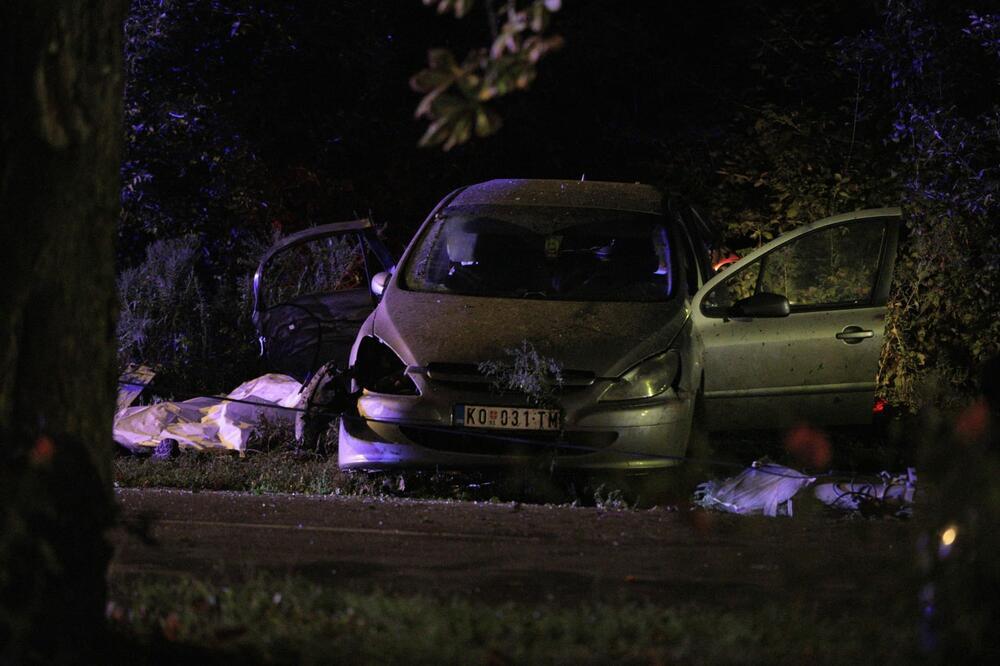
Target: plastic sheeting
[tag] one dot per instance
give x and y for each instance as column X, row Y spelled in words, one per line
column 763, row 488
column 208, row 422
column 890, row 494
column 767, row 488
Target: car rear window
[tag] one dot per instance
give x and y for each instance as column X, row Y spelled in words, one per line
column 573, row 254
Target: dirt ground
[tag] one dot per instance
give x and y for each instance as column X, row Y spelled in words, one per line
column 505, row 551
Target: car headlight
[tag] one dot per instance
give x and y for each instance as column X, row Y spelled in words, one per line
column 646, row 379
column 378, row 369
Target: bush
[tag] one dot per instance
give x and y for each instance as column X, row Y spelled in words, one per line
column 942, row 325
column 162, row 306
column 196, row 332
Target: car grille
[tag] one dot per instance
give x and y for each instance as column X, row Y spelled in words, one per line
column 510, row 443
column 467, row 376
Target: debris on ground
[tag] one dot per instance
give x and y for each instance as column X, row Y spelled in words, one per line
column 166, row 449
column 326, row 394
column 891, row 495
column 767, row 488
column 762, row 488
column 208, row 422
column 132, row 383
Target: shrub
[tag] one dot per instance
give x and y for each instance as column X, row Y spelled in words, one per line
column 942, row 325
column 163, row 306
column 196, row 332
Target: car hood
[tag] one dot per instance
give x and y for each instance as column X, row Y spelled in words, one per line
column 603, row 338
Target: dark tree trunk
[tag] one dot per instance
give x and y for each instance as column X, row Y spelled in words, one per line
column 60, row 139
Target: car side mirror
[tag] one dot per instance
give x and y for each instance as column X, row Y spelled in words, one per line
column 379, row 281
column 764, row 304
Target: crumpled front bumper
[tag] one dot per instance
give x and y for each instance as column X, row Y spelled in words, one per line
column 410, row 431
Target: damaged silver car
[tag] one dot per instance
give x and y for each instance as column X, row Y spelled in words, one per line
column 604, row 292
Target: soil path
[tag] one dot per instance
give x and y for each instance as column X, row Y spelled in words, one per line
column 517, row 552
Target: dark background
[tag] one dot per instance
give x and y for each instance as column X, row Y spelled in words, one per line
column 319, row 94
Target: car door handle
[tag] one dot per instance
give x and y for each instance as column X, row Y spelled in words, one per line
column 852, row 335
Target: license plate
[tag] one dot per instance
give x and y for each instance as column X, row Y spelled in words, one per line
column 507, row 418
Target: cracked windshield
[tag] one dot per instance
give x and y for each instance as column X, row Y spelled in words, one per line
column 570, row 254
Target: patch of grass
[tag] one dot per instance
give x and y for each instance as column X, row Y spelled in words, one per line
column 283, row 470
column 274, row 465
column 274, row 471
column 291, row 620
column 287, row 471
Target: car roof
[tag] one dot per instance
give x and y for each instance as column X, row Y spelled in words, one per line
column 634, row 197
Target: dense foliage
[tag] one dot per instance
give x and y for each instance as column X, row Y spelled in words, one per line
column 793, row 142
column 194, row 330
column 938, row 66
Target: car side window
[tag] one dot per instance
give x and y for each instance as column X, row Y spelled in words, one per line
column 328, row 264
column 740, row 284
column 835, row 266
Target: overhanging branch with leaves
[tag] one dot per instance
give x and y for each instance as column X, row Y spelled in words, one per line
column 457, row 96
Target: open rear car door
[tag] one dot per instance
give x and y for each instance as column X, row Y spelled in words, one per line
column 312, row 293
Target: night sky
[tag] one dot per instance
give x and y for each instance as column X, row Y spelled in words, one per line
column 320, row 94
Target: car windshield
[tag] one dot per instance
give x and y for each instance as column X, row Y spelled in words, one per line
column 570, row 254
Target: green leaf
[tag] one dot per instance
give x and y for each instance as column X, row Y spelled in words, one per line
column 487, row 122
column 459, row 7
column 427, row 80
column 460, row 133
column 441, row 59
column 447, row 104
column 435, row 134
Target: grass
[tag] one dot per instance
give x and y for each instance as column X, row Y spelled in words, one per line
column 266, row 471
column 265, row 619
column 275, row 466
column 285, row 471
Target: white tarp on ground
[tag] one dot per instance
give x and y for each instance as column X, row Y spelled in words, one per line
column 768, row 489
column 209, row 422
column 893, row 493
column 763, row 488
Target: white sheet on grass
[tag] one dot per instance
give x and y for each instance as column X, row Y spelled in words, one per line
column 763, row 488
column 768, row 488
column 209, row 422
column 891, row 494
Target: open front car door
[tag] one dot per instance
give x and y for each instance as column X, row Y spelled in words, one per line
column 793, row 331
column 312, row 293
